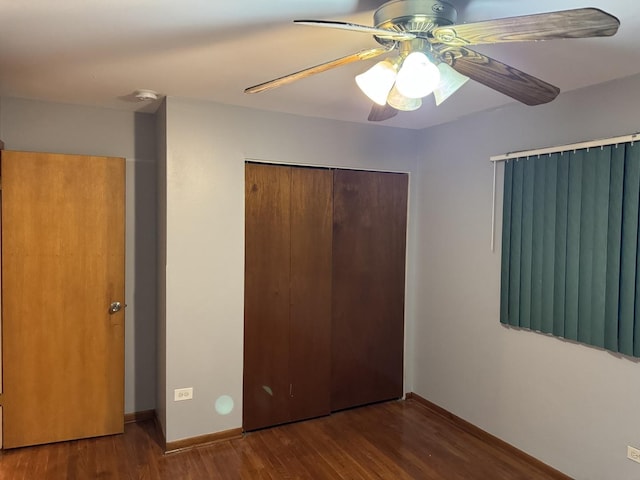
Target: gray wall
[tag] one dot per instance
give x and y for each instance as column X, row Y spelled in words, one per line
column 572, row 406
column 207, row 145
column 48, row 127
column 161, row 280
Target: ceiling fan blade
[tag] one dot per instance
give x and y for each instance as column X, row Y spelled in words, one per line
column 498, row 76
column 378, row 32
column 323, row 67
column 578, row 23
column 380, row 113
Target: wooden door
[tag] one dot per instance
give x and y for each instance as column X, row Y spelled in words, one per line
column 310, row 312
column 62, row 267
column 369, row 238
column 288, row 221
column 266, row 296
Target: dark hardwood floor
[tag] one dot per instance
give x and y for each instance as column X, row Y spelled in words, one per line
column 394, row 440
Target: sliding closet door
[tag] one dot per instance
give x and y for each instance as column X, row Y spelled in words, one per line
column 369, row 238
column 266, row 305
column 310, row 327
column 287, row 356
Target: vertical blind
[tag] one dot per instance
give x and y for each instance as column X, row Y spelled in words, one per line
column 570, row 257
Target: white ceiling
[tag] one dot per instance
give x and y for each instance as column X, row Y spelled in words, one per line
column 95, row 52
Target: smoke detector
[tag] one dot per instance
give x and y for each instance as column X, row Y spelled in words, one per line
column 145, row 95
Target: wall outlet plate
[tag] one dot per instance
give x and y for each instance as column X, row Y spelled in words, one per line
column 180, row 394
column 633, row 454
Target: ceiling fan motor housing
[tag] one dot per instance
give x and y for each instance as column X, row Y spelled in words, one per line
column 415, row 16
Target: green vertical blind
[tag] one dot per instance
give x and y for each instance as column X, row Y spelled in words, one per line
column 570, row 256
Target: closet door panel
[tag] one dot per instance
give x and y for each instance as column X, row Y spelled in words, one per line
column 266, row 324
column 369, row 241
column 310, row 327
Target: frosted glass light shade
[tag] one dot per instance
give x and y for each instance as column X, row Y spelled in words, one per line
column 418, row 77
column 450, row 81
column 376, row 82
column 400, row 102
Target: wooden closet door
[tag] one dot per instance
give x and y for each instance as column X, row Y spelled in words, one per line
column 369, row 238
column 266, row 387
column 62, row 267
column 287, row 356
column 310, row 318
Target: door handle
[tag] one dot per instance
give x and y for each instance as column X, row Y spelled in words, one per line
column 115, row 307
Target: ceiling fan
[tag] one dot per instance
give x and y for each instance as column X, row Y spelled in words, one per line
column 429, row 53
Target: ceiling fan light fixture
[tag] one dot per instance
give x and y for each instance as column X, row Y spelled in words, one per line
column 376, row 83
column 402, row 103
column 418, row 76
column 425, row 32
column 450, row 82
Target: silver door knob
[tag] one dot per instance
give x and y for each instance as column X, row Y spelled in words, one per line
column 115, row 307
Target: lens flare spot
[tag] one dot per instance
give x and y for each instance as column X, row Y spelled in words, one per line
column 224, row 405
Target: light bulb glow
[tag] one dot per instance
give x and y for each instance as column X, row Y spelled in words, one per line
column 418, row 77
column 376, row 82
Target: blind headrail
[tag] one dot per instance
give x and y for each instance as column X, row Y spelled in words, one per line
column 566, row 148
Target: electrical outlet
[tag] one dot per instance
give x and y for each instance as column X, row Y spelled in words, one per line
column 633, row 454
column 187, row 394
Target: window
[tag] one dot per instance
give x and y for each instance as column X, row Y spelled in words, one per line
column 570, row 264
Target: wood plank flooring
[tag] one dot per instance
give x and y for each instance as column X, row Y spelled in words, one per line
column 394, row 440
